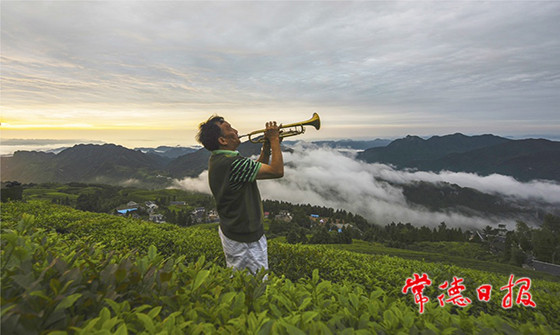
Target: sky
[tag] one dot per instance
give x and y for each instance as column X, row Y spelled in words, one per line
column 147, row 73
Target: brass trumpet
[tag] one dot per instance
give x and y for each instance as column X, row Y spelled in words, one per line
column 299, row 129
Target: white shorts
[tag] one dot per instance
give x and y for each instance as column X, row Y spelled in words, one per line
column 245, row 255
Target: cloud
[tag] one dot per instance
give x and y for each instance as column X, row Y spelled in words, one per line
column 326, row 177
column 10, row 145
column 539, row 190
column 198, row 184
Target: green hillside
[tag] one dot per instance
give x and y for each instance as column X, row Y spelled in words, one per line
column 66, row 271
column 524, row 160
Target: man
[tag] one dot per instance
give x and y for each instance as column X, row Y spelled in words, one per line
column 232, row 179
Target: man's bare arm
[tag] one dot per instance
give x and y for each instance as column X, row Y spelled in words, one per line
column 276, row 167
column 265, row 153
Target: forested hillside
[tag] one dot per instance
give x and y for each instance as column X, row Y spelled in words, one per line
column 486, row 154
column 106, row 163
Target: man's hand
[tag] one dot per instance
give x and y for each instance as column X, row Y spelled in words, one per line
column 272, row 131
column 272, row 143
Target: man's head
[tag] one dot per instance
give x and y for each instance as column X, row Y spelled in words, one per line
column 216, row 133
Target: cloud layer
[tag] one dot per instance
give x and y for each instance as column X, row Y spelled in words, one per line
column 326, row 177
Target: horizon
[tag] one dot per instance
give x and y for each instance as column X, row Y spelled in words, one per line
column 147, row 73
column 45, row 145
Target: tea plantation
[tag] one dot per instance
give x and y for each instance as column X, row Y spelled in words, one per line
column 66, row 271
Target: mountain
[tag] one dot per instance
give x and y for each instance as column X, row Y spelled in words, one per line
column 523, row 159
column 108, row 163
column 485, row 154
column 29, row 166
column 408, row 151
column 83, row 163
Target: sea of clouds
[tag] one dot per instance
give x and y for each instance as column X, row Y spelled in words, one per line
column 327, row 177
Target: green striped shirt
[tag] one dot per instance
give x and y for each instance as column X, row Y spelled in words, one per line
column 232, row 180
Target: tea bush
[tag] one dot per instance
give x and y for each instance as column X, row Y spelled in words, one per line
column 70, row 272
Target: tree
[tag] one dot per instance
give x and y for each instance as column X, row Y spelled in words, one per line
column 301, row 218
column 320, row 236
column 276, row 227
column 523, row 236
column 552, row 222
column 87, row 202
column 296, row 235
column 544, row 245
column 517, row 257
column 11, row 190
column 345, row 236
column 292, row 236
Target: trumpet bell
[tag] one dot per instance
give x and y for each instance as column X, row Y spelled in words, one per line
column 315, row 121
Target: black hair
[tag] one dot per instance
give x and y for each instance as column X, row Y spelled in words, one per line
column 209, row 132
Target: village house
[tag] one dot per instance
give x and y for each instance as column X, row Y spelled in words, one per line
column 213, row 216
column 157, row 218
column 284, row 216
column 125, row 210
column 318, row 220
column 151, row 206
column 131, row 209
column 198, row 214
column 340, row 226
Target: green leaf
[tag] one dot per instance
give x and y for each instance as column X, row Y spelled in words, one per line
column 146, row 321
column 122, row 330
column 40, row 294
column 200, row 277
column 293, row 330
column 142, row 308
column 68, row 301
column 6, row 309
column 308, row 316
column 315, row 277
column 104, row 315
column 109, row 324
column 154, row 312
column 152, row 252
column 305, row 303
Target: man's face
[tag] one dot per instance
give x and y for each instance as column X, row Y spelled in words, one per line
column 229, row 139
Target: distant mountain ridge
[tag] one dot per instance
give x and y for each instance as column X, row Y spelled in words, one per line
column 405, row 152
column 484, row 154
column 83, row 163
column 109, row 163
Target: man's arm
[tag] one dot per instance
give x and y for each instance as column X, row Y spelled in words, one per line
column 265, row 153
column 276, row 167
